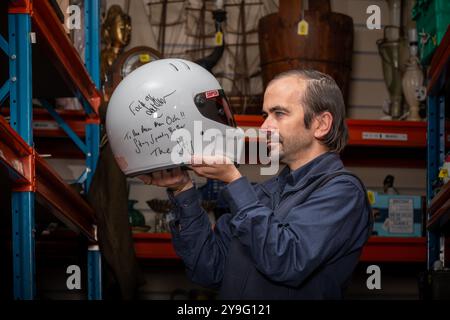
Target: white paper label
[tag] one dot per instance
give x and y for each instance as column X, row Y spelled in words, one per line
column 385, row 136
column 45, row 125
column 401, row 216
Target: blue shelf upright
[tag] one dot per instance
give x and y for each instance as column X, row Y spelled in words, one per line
column 92, row 61
column 435, row 154
column 20, row 93
column 19, row 88
column 438, row 78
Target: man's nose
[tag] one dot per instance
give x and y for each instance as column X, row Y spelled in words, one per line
column 268, row 124
column 268, row 128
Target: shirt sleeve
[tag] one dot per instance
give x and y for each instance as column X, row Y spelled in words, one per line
column 330, row 224
column 202, row 247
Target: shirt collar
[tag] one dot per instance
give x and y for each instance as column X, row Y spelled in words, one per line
column 292, row 177
column 288, row 180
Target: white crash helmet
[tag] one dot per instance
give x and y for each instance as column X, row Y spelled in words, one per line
column 155, row 106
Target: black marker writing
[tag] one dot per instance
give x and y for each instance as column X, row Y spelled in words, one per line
column 151, row 104
column 139, row 144
column 162, row 135
column 144, row 129
column 135, row 134
column 178, row 126
column 158, row 151
column 172, row 119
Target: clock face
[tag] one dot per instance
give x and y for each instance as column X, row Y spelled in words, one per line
column 126, row 63
column 135, row 60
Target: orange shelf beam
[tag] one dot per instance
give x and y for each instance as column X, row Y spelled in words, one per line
column 387, row 133
column 16, row 157
column 390, row 249
column 369, row 132
column 377, row 249
column 154, row 246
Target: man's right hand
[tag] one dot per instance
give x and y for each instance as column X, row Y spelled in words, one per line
column 175, row 179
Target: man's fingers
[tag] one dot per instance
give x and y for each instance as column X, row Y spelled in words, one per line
column 166, row 175
column 197, row 161
column 176, row 172
column 156, row 178
column 145, row 178
column 204, row 171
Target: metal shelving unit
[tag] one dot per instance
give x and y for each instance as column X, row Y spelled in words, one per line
column 39, row 51
column 438, row 204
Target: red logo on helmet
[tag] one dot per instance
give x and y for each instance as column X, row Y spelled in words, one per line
column 211, row 94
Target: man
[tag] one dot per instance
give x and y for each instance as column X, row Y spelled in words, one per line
column 296, row 236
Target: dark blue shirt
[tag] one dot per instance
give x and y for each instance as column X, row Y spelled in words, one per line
column 296, row 236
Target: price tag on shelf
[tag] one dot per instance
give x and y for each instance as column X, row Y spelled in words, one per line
column 385, row 136
column 218, row 40
column 45, row 125
column 303, row 28
column 371, row 197
column 443, row 173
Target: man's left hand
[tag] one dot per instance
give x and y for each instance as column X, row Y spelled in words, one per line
column 215, row 167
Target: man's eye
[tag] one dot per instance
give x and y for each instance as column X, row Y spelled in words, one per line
column 279, row 113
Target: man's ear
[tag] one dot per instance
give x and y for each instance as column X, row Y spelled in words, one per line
column 322, row 124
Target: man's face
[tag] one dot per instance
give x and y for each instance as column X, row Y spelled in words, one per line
column 284, row 116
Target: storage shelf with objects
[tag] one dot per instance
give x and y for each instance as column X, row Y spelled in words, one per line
column 438, row 190
column 44, row 64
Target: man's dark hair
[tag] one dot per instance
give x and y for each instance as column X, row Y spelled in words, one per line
column 322, row 94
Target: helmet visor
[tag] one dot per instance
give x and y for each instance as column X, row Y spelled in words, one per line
column 214, row 105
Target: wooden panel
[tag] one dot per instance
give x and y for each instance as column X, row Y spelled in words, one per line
column 365, row 40
column 367, row 93
column 357, row 9
column 366, row 66
column 361, row 112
